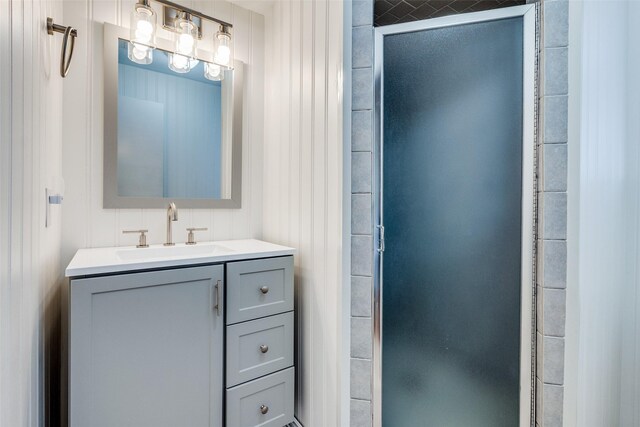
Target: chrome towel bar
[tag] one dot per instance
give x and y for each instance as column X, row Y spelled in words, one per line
column 69, row 32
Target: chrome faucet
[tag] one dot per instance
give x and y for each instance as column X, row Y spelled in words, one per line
column 172, row 215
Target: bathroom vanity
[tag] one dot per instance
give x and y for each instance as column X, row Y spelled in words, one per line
column 189, row 335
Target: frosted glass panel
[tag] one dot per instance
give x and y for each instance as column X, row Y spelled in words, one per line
column 452, row 194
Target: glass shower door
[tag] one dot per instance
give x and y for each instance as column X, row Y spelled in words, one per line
column 452, row 194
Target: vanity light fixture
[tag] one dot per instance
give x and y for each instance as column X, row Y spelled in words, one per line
column 223, row 57
column 143, row 33
column 187, row 24
column 223, row 47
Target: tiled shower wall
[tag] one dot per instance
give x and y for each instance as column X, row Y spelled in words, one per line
column 361, row 213
column 552, row 216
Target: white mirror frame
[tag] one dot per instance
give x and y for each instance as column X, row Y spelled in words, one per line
column 111, row 199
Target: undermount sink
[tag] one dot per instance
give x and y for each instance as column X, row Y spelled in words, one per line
column 159, row 252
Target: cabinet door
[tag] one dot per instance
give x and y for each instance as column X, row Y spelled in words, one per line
column 146, row 349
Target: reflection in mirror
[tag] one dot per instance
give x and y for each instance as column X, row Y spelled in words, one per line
column 170, row 137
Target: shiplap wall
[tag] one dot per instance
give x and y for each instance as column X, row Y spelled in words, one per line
column 603, row 307
column 303, row 188
column 30, row 160
column 85, row 223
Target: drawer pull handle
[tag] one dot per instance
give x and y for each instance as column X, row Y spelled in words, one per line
column 264, row 348
column 264, row 409
column 264, row 289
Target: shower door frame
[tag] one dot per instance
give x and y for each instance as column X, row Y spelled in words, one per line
column 529, row 183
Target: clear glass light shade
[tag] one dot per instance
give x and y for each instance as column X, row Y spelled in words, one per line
column 143, row 26
column 180, row 63
column 186, row 37
column 142, row 34
column 223, row 48
column 213, row 72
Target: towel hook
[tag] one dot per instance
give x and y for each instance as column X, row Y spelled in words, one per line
column 69, row 32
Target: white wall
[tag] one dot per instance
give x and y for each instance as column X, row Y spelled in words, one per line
column 630, row 402
column 85, row 222
column 30, row 160
column 603, row 306
column 303, row 188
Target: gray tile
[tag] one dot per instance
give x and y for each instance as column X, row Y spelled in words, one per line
column 555, row 119
column 539, row 309
column 361, row 337
column 555, row 167
column 552, row 401
column 553, row 360
column 538, row 400
column 556, row 23
column 540, row 260
column 361, row 12
column 554, row 258
column 361, row 172
column 362, row 47
column 361, row 291
column 554, row 216
column 362, row 87
column 361, row 130
column 361, row 255
column 361, row 379
column 556, row 65
column 553, row 312
column 539, row 355
column 361, row 415
column 361, row 214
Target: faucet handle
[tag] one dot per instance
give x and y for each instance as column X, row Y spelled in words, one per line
column 191, row 240
column 142, row 241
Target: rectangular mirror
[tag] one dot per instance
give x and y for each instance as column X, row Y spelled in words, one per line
column 169, row 136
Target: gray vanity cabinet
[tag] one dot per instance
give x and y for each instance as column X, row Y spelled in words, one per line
column 146, row 349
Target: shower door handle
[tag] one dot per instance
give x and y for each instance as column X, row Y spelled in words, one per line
column 380, row 228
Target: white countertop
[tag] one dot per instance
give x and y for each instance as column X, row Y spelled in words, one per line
column 129, row 258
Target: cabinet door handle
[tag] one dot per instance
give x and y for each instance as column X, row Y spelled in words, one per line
column 217, row 306
column 264, row 348
column 264, row 289
column 264, row 409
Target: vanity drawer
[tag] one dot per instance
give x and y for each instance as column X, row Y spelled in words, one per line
column 259, row 288
column 265, row 402
column 259, row 347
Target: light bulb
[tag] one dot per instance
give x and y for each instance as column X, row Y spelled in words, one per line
column 213, row 72
column 185, row 38
column 180, row 63
column 185, row 44
column 223, row 55
column 144, row 27
column 140, row 53
column 144, row 32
